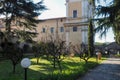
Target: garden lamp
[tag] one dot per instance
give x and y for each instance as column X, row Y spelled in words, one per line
column 25, row 63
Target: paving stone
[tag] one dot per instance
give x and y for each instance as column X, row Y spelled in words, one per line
column 108, row 70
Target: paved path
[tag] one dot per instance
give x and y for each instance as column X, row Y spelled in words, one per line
column 108, row 70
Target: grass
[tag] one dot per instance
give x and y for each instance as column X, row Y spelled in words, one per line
column 72, row 68
column 117, row 55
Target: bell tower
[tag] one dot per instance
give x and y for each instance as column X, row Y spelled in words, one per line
column 78, row 13
column 78, row 8
column 73, row 8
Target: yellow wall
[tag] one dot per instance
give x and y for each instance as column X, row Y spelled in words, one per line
column 56, row 23
column 75, row 37
column 75, row 6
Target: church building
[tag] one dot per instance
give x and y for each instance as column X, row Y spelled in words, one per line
column 73, row 28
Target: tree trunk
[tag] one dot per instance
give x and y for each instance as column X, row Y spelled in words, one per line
column 86, row 61
column 14, row 68
column 54, row 62
column 37, row 60
column 59, row 66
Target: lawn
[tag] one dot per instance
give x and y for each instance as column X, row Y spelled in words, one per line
column 72, row 68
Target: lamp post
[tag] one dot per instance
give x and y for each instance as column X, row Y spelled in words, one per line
column 25, row 63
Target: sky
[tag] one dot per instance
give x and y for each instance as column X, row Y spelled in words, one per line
column 56, row 8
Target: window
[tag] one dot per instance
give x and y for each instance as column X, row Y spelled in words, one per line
column 61, row 29
column 61, row 20
column 74, row 13
column 74, row 29
column 52, row 30
column 43, row 30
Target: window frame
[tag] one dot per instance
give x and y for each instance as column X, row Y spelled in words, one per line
column 61, row 29
column 52, row 29
column 75, row 14
column 43, row 30
column 75, row 28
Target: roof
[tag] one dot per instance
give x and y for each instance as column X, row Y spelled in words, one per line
column 55, row 18
column 113, row 45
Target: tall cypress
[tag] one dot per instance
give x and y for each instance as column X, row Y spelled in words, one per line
column 91, row 38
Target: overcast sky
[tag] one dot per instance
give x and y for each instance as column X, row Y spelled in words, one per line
column 56, row 8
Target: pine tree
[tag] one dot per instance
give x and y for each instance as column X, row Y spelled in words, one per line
column 22, row 14
column 110, row 19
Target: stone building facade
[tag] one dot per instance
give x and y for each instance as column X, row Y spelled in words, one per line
column 73, row 28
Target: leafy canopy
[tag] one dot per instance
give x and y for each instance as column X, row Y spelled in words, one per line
column 21, row 13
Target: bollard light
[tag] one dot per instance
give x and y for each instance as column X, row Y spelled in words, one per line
column 25, row 63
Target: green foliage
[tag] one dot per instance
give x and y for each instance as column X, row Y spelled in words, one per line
column 117, row 55
column 53, row 49
column 72, row 69
column 22, row 14
column 13, row 53
column 117, row 36
column 109, row 17
column 98, row 43
column 39, row 49
column 91, row 38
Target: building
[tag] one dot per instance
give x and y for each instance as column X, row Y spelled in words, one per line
column 51, row 28
column 73, row 28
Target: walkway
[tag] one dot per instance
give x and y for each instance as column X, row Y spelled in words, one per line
column 108, row 70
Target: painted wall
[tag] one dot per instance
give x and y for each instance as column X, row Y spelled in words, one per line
column 68, row 35
column 55, row 23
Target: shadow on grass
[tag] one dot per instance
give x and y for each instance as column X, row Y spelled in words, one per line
column 6, row 72
column 71, row 70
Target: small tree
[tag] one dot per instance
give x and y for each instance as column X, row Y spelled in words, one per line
column 12, row 52
column 35, row 51
column 82, row 51
column 56, row 49
column 39, row 49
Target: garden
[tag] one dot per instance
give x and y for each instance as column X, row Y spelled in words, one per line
column 50, row 60
column 72, row 68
